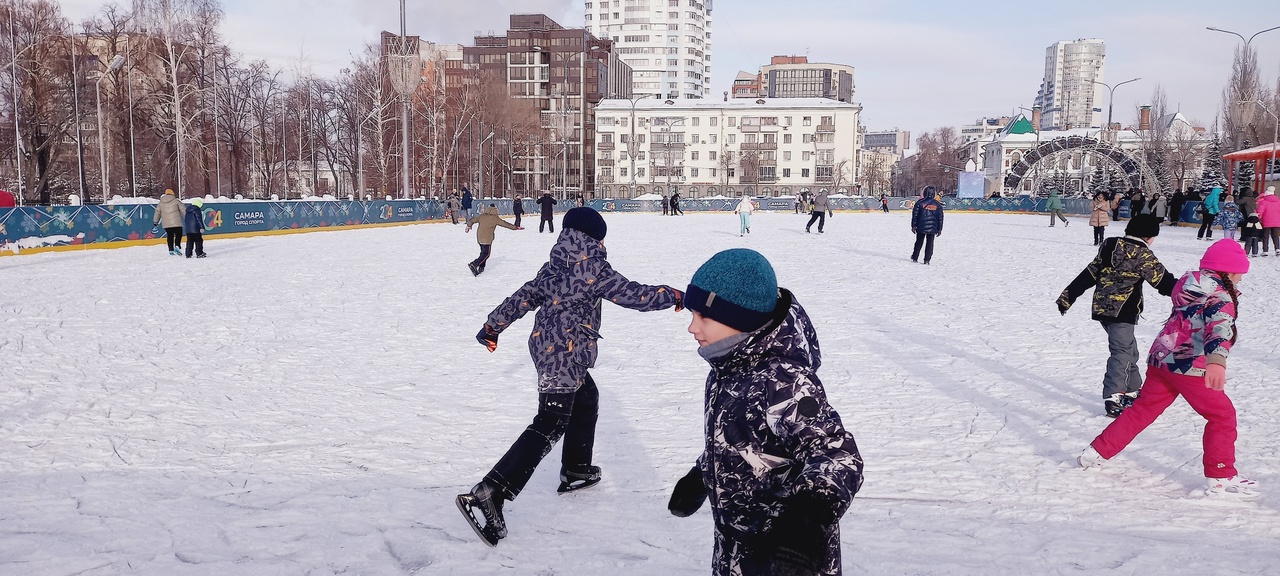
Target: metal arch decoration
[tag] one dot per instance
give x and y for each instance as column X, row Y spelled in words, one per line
column 1134, row 169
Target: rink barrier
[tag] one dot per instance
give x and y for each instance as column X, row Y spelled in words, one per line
column 1073, row 206
column 39, row 229
column 33, row 229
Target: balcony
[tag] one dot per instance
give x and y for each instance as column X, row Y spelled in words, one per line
column 826, row 128
column 759, row 146
column 605, row 145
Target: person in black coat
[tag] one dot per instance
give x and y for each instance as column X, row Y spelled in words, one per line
column 548, row 206
column 466, row 202
column 1175, row 207
column 675, row 204
column 517, row 208
column 926, row 223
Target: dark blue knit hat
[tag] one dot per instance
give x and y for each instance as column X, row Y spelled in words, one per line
column 587, row 221
column 736, row 287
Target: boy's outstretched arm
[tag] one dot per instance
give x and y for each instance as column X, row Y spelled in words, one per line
column 614, row 287
column 1088, row 278
column 527, row 298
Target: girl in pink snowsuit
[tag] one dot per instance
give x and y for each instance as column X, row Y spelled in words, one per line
column 1189, row 358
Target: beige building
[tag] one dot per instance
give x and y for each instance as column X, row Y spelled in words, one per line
column 762, row 147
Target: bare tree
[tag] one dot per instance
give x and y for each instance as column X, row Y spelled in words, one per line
column 37, row 36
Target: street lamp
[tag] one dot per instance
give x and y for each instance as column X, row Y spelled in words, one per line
column 1111, row 95
column 1245, row 73
column 112, row 66
column 632, row 146
column 480, row 184
column 1274, row 145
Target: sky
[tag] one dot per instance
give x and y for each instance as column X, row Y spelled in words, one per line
column 919, row 65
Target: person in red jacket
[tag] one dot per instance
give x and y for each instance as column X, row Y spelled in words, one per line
column 6, row 200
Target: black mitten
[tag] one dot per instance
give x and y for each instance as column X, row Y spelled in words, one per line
column 688, row 495
column 799, row 535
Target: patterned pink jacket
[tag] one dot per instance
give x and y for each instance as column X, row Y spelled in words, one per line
column 1201, row 329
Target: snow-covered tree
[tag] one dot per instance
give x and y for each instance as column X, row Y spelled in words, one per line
column 1212, row 174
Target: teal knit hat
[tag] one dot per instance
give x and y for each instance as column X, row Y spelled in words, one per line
column 736, row 287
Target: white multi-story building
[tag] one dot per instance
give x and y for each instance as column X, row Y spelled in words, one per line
column 667, row 43
column 762, row 147
column 1068, row 95
column 982, row 128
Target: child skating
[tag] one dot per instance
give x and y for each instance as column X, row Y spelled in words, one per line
column 744, row 209
column 567, row 294
column 1189, row 359
column 486, row 224
column 778, row 465
column 1117, row 274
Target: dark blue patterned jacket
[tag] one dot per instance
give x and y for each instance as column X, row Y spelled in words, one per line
column 770, row 432
column 567, row 292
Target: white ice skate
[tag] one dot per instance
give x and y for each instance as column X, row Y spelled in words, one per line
column 1090, row 458
column 1234, row 488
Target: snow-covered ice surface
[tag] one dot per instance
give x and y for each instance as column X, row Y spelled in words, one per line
column 310, row 404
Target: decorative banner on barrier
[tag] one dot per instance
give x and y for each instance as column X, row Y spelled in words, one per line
column 37, row 227
column 971, row 185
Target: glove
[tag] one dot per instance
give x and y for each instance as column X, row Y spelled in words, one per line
column 913, row 230
column 688, row 495
column 1063, row 304
column 1215, row 377
column 679, row 298
column 938, row 234
column 799, row 538
column 155, row 229
column 488, row 337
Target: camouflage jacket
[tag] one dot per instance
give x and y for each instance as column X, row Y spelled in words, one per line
column 567, row 293
column 1117, row 273
column 769, row 431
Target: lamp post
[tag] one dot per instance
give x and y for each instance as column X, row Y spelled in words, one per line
column 360, row 152
column 1111, row 95
column 632, row 146
column 112, row 66
column 480, row 182
column 1274, row 145
column 1035, row 181
column 1245, row 73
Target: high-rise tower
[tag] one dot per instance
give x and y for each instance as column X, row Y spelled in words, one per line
column 667, row 43
column 1068, row 95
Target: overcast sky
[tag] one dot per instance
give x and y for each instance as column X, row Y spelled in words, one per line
column 918, row 65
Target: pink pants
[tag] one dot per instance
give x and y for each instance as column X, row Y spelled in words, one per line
column 1161, row 388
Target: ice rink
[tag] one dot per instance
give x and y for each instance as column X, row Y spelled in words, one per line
column 310, row 404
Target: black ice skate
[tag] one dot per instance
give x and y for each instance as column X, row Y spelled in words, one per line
column 578, row 477
column 475, row 270
column 1115, row 404
column 488, row 499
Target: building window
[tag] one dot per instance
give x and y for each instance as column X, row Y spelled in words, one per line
column 713, row 120
column 729, row 172
column 804, row 172
column 713, row 138
column 693, row 155
column 786, row 173
column 786, row 155
column 786, row 120
column 695, row 120
column 733, row 120
column 693, row 172
column 731, row 139
column 711, row 155
column 786, row 138
column 807, row 121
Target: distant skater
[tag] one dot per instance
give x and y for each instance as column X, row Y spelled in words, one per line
column 486, row 224
column 926, row 223
column 548, row 205
column 744, row 209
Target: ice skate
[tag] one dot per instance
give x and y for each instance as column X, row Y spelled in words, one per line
column 1115, row 404
column 1128, row 398
column 1234, row 488
column 475, row 270
column 1090, row 458
column 578, row 477
column 488, row 499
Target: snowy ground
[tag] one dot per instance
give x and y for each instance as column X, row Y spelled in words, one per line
column 310, row 404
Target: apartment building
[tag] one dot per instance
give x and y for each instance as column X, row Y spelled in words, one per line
column 1069, row 96
column 566, row 72
column 667, row 43
column 762, row 147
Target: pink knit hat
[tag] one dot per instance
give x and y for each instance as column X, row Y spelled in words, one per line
column 1227, row 256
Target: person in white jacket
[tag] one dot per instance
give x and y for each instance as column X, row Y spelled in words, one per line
column 744, row 209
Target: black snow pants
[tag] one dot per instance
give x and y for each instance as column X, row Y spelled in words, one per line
column 173, row 236
column 571, row 415
column 548, row 222
column 927, row 241
column 818, row 216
